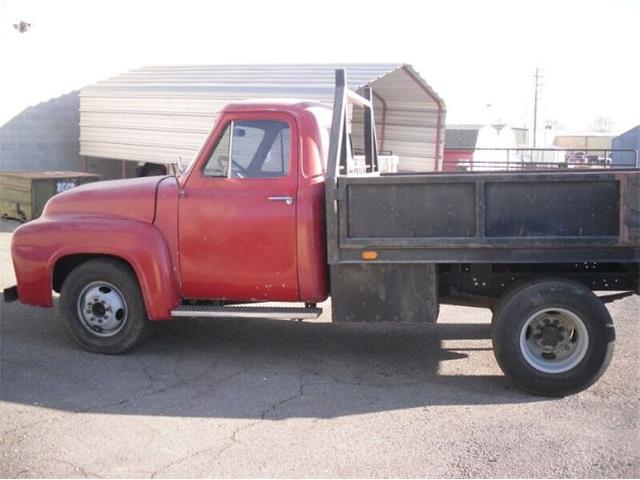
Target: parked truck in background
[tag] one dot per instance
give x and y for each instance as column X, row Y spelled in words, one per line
column 269, row 212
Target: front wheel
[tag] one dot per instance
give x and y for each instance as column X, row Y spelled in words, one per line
column 552, row 337
column 102, row 307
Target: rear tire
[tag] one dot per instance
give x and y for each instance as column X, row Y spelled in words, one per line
column 102, row 307
column 552, row 337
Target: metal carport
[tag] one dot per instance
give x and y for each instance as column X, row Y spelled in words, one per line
column 157, row 114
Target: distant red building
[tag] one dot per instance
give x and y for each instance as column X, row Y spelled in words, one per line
column 459, row 144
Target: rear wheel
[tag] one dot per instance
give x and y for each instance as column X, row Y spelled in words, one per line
column 102, row 307
column 552, row 337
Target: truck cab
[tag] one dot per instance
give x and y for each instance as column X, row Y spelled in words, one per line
column 253, row 200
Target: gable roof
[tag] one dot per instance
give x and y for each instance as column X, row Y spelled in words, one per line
column 305, row 81
column 460, row 138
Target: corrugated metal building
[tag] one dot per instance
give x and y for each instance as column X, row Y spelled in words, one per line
column 629, row 140
column 587, row 141
column 157, row 114
column 459, row 143
column 44, row 136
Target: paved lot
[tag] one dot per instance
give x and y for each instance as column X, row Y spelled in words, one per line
column 273, row 398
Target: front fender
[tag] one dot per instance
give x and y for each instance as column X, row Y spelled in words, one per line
column 38, row 245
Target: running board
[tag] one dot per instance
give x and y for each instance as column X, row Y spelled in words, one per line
column 246, row 312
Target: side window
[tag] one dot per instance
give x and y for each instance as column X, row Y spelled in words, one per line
column 218, row 163
column 260, row 149
column 276, row 164
column 247, row 138
column 251, row 149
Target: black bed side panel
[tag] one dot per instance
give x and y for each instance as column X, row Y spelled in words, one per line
column 552, row 209
column 412, row 210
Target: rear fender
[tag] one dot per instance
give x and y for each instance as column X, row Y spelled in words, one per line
column 37, row 246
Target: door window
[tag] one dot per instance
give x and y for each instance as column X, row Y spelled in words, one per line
column 256, row 149
column 218, row 163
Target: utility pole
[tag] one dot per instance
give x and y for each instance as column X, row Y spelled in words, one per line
column 535, row 107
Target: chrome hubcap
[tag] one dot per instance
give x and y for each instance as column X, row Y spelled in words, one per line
column 102, row 309
column 554, row 340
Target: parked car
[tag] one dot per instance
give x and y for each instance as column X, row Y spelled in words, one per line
column 576, row 159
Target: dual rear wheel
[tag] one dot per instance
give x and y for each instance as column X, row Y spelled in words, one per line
column 552, row 337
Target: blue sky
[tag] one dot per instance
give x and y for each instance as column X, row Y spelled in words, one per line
column 472, row 53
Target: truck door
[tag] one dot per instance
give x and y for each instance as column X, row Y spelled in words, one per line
column 237, row 212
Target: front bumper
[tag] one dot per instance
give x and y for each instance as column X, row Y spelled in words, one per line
column 10, row 294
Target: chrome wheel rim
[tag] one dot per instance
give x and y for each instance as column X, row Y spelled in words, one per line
column 102, row 309
column 554, row 340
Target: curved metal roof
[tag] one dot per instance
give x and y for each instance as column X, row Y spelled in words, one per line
column 155, row 114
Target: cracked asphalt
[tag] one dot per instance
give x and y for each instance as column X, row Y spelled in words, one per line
column 259, row 398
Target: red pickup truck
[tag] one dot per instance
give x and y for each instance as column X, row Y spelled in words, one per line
column 269, row 212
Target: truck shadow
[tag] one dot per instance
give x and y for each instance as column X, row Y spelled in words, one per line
column 256, row 369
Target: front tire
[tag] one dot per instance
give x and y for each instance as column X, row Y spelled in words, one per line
column 552, row 337
column 102, row 307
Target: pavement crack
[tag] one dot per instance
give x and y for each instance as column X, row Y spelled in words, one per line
column 233, row 438
column 166, row 388
column 232, row 441
column 276, row 405
column 148, row 374
column 86, row 473
column 135, row 396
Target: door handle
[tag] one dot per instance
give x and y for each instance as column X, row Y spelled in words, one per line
column 285, row 199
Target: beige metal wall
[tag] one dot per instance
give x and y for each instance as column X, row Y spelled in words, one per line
column 157, row 114
column 586, row 142
column 412, row 124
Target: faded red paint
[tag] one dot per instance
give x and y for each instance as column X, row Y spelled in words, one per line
column 38, row 245
column 239, row 245
column 199, row 237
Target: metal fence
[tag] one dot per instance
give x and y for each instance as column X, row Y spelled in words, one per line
column 523, row 159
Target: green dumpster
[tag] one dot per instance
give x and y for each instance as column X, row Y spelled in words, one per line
column 23, row 195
